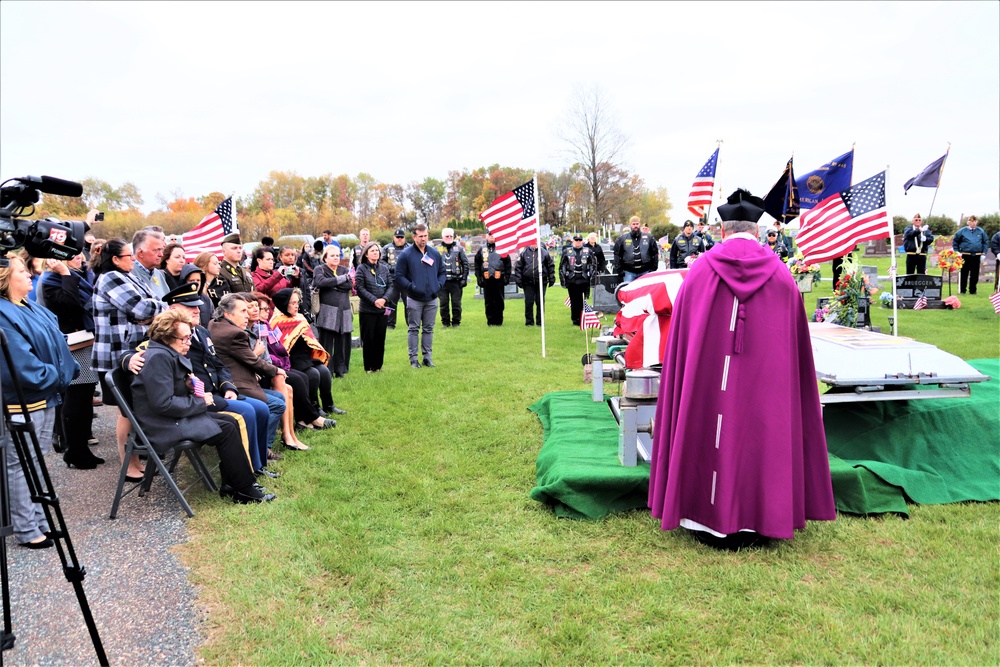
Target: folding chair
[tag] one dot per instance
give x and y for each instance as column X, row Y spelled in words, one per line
column 120, row 385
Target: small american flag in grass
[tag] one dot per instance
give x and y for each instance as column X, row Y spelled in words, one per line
column 920, row 304
column 589, row 319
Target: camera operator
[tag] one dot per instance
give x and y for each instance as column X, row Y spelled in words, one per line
column 45, row 368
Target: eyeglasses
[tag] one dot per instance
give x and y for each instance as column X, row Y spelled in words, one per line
column 183, row 339
column 124, row 256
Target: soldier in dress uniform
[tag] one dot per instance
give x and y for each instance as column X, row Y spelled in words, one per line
column 576, row 269
column 390, row 252
column 239, row 278
column 492, row 274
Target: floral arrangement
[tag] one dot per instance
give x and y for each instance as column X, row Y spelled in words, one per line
column 798, row 266
column 953, row 302
column 949, row 260
column 852, row 287
column 885, row 298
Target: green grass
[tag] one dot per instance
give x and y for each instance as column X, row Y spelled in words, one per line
column 406, row 536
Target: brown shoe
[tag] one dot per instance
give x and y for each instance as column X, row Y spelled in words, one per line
column 274, row 456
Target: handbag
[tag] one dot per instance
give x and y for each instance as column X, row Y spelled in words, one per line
column 314, row 302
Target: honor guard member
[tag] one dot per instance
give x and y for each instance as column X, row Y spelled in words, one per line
column 917, row 239
column 531, row 283
column 390, row 253
column 972, row 242
column 456, row 271
column 239, row 279
column 356, row 257
column 576, row 269
column 685, row 246
column 492, row 274
column 636, row 253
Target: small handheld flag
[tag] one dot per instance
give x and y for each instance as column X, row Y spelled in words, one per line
column 589, row 320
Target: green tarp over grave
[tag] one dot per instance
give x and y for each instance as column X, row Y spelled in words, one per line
column 882, row 454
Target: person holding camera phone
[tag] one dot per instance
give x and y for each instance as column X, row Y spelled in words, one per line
column 266, row 278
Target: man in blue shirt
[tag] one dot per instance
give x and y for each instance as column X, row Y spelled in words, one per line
column 420, row 271
column 971, row 241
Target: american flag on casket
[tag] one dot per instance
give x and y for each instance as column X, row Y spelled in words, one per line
column 647, row 303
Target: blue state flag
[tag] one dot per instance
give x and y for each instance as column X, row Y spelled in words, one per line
column 828, row 180
column 930, row 177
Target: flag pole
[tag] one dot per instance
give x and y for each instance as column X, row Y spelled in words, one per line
column 708, row 209
column 538, row 251
column 893, row 268
column 940, row 176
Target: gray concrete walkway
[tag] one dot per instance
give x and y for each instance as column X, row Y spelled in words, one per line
column 139, row 593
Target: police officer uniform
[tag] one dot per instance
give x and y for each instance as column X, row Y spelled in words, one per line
column 684, row 247
column 576, row 269
column 456, row 271
column 238, row 278
column 492, row 275
column 390, row 253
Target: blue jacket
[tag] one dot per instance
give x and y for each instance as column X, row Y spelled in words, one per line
column 45, row 366
column 968, row 239
column 421, row 280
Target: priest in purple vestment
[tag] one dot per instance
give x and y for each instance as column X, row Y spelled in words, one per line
column 739, row 451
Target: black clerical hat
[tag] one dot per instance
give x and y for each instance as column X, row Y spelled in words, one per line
column 742, row 205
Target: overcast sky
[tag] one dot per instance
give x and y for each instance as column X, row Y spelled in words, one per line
column 191, row 98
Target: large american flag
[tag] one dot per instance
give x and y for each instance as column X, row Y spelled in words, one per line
column 513, row 219
column 833, row 227
column 701, row 192
column 207, row 235
column 589, row 320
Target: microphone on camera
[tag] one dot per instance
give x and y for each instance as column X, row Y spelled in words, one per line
column 54, row 186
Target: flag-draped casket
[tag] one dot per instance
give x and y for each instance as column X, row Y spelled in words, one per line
column 647, row 304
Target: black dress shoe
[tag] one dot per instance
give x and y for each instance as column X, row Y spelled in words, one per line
column 44, row 544
column 429, row 363
column 415, row 364
column 321, row 411
column 338, row 411
column 82, row 459
column 252, row 494
column 268, row 473
column 129, row 478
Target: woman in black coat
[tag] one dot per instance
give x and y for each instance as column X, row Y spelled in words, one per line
column 335, row 320
column 377, row 294
column 169, row 408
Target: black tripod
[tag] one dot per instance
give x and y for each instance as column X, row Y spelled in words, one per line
column 40, row 488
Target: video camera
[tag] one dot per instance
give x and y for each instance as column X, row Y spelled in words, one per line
column 48, row 238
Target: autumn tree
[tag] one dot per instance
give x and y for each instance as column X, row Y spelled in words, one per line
column 593, row 142
column 428, row 199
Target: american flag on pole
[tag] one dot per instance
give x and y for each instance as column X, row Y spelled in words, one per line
column 995, row 300
column 207, row 235
column 589, row 320
column 833, row 227
column 513, row 219
column 920, row 304
column 701, row 192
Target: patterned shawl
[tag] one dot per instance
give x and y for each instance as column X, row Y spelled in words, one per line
column 291, row 329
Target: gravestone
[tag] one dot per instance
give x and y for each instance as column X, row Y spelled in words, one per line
column 872, row 273
column 911, row 287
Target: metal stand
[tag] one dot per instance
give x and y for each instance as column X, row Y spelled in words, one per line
column 42, row 492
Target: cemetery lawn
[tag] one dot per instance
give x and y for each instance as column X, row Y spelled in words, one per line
column 406, row 536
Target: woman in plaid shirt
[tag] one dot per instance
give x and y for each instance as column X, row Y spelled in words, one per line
column 123, row 309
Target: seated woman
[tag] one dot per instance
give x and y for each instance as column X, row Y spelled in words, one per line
column 306, row 353
column 171, row 265
column 216, row 287
column 169, row 408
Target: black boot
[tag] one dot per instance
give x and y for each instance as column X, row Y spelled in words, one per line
column 81, row 458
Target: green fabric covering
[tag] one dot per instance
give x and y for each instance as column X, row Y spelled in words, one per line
column 929, row 451
column 882, row 454
column 578, row 472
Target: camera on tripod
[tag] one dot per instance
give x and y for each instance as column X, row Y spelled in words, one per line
column 48, row 238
